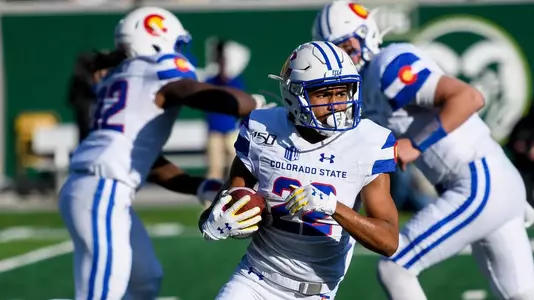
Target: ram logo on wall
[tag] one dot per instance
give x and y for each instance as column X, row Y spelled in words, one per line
column 486, row 56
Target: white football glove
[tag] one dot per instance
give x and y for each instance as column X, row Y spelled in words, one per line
column 223, row 224
column 207, row 191
column 261, row 102
column 308, row 198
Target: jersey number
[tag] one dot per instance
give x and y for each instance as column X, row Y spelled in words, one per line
column 115, row 93
column 309, row 225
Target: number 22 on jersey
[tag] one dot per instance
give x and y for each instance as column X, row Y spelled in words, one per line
column 311, row 222
column 111, row 102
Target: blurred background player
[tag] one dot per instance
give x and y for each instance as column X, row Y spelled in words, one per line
column 138, row 103
column 89, row 69
column 321, row 157
column 482, row 199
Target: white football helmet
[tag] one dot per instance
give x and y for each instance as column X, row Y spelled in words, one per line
column 150, row 30
column 313, row 65
column 342, row 20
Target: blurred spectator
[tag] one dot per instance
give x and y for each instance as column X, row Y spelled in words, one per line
column 521, row 148
column 222, row 129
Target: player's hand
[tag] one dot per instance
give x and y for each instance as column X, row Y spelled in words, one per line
column 261, row 102
column 406, row 153
column 207, row 191
column 308, row 198
column 223, row 224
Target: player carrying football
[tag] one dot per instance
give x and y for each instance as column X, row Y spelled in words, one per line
column 322, row 155
column 482, row 199
column 139, row 101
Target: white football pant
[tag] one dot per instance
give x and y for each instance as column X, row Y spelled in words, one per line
column 113, row 255
column 248, row 284
column 485, row 209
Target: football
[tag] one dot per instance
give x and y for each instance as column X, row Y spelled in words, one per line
column 255, row 199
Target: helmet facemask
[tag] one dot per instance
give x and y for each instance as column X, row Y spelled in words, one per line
column 369, row 40
column 337, row 119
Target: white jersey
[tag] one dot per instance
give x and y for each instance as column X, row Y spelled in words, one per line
column 398, row 92
column 311, row 248
column 129, row 129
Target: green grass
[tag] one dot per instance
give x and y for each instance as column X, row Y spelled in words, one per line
column 196, row 269
column 187, row 215
column 15, row 248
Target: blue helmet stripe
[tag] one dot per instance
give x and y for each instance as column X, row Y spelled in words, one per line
column 335, row 54
column 328, row 18
column 327, row 61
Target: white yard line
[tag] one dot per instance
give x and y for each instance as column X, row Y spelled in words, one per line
column 156, row 230
column 48, row 252
column 35, row 256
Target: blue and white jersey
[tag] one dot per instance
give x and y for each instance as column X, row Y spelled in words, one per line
column 310, row 247
column 398, row 92
column 129, row 129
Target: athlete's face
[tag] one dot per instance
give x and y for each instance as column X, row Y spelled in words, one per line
column 353, row 48
column 328, row 95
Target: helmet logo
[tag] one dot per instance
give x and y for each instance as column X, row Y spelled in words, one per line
column 154, row 24
column 286, row 70
column 359, row 10
column 407, row 76
column 182, row 64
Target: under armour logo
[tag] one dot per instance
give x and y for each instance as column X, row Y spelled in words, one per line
column 323, row 157
column 251, row 271
column 226, row 226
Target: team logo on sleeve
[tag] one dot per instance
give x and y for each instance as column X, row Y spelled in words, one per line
column 407, row 76
column 154, row 24
column 359, row 10
column 182, row 64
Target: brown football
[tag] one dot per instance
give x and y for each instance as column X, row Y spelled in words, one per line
column 255, row 199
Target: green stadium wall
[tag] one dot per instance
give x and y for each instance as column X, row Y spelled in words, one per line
column 39, row 51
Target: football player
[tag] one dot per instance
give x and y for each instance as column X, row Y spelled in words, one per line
column 139, row 101
column 482, row 199
column 320, row 157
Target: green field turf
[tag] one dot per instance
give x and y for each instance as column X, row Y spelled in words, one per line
column 195, row 269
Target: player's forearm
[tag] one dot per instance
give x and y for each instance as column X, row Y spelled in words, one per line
column 205, row 97
column 182, row 183
column 222, row 100
column 374, row 234
column 167, row 175
column 460, row 107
